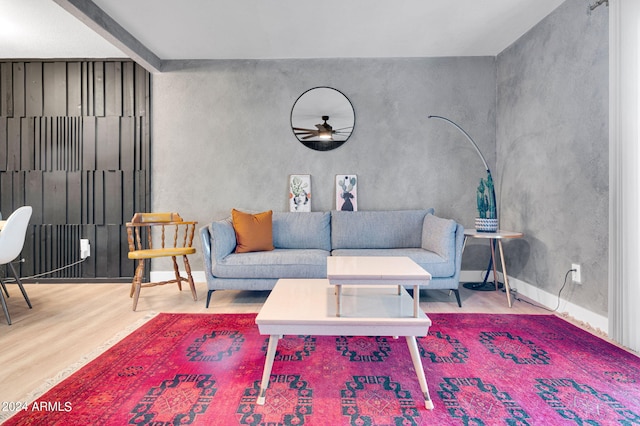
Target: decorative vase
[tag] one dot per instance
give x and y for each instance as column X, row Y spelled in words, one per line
column 486, row 225
column 487, row 220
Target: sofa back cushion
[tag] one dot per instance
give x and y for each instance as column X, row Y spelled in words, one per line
column 438, row 236
column 377, row 229
column 302, row 230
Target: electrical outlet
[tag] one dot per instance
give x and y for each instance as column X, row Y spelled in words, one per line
column 576, row 273
column 85, row 248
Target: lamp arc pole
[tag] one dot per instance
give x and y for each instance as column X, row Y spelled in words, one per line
column 475, row 146
column 482, row 285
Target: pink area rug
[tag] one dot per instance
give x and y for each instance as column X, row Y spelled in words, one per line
column 205, row 369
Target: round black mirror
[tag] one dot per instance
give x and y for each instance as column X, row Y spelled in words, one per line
column 322, row 118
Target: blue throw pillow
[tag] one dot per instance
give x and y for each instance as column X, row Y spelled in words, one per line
column 438, row 236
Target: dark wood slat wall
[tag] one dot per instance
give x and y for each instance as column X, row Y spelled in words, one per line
column 75, row 145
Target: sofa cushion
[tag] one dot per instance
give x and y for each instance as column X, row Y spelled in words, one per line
column 377, row 229
column 223, row 238
column 433, row 263
column 438, row 236
column 309, row 230
column 278, row 263
column 254, row 232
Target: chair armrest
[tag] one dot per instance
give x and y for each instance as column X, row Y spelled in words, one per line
column 162, row 223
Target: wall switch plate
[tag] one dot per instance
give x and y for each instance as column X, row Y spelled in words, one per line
column 85, row 248
column 576, row 273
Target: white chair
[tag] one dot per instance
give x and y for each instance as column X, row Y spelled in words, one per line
column 12, row 238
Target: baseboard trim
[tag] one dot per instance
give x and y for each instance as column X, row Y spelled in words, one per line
column 541, row 297
column 598, row 322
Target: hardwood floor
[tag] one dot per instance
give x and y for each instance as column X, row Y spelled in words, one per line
column 72, row 323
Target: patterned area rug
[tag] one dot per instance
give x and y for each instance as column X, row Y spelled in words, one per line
column 205, row 369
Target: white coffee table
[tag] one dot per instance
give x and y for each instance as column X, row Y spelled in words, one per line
column 306, row 307
column 376, row 270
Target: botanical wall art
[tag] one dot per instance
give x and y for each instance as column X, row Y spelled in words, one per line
column 346, row 192
column 300, row 193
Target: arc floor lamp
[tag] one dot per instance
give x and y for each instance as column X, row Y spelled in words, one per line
column 475, row 146
column 492, row 194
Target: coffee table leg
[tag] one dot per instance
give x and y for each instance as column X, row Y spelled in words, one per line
column 338, row 297
column 268, row 364
column 417, row 365
column 416, row 300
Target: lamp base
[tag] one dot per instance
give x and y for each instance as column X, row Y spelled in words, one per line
column 483, row 286
column 486, row 225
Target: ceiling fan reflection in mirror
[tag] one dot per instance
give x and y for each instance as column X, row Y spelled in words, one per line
column 323, row 131
column 322, row 118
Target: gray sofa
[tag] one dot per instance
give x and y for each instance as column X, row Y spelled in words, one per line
column 303, row 241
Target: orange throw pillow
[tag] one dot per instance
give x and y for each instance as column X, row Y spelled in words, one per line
column 254, row 232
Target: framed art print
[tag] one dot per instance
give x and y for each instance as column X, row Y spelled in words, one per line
column 300, row 193
column 347, row 192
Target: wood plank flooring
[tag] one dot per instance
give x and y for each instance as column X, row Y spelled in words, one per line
column 71, row 323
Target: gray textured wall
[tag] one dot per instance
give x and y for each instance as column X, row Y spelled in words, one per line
column 222, row 137
column 221, row 140
column 552, row 144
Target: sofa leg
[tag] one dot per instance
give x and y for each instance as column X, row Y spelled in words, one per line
column 457, row 293
column 209, row 297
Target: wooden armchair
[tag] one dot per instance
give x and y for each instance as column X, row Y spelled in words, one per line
column 173, row 237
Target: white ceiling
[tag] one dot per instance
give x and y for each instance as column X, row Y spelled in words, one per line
column 38, row 29
column 261, row 29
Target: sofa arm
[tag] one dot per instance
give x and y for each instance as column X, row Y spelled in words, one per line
column 206, row 249
column 459, row 248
